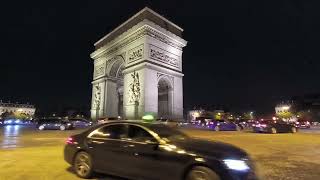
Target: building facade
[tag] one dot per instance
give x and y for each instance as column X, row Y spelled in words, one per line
column 27, row 109
column 138, row 69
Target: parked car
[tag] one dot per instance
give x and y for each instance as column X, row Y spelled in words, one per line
column 54, row 124
column 80, row 123
column 224, row 125
column 274, row 126
column 137, row 150
column 301, row 123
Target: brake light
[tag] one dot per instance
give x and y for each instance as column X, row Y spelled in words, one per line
column 70, row 140
column 263, row 125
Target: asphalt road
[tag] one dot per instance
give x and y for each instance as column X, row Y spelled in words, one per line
column 26, row 153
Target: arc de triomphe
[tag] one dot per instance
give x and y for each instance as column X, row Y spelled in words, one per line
column 138, row 69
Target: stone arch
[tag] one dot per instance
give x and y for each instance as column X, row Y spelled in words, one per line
column 165, row 97
column 115, row 67
column 115, row 85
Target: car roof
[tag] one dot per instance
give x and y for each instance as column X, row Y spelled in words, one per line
column 141, row 122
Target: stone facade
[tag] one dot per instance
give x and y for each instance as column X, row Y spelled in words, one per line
column 139, row 71
column 17, row 108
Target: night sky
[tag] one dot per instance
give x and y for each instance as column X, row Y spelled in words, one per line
column 241, row 54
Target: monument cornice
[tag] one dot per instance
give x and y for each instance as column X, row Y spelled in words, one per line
column 152, row 65
column 144, row 28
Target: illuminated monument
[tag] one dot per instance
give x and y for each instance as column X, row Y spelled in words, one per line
column 138, row 69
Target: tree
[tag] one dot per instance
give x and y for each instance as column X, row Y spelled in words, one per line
column 285, row 114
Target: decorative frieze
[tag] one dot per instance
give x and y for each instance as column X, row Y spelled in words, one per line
column 135, row 54
column 163, row 56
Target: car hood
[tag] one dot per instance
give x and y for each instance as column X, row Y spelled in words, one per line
column 215, row 149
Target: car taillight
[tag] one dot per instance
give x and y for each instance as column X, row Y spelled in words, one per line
column 263, row 125
column 70, row 140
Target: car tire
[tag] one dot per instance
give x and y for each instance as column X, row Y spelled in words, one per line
column 62, row 127
column 216, row 128
column 273, row 130
column 201, row 172
column 82, row 165
column 293, row 130
column 41, row 127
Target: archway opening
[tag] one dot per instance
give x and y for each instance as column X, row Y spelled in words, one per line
column 164, row 99
column 116, row 75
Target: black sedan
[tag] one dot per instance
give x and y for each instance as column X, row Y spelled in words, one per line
column 274, row 126
column 80, row 123
column 138, row 150
column 54, row 124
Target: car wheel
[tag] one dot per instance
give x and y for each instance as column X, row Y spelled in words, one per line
column 293, row 129
column 83, row 165
column 41, row 127
column 202, row 173
column 217, row 128
column 62, row 128
column 273, row 130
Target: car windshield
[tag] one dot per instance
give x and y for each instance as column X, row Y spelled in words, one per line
column 167, row 133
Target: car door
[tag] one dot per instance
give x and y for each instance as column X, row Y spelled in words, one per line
column 282, row 126
column 105, row 146
column 147, row 159
column 50, row 124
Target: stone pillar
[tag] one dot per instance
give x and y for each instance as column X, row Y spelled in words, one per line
column 177, row 112
column 111, row 99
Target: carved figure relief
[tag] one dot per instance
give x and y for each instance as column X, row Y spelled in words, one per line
column 135, row 53
column 134, row 88
column 97, row 96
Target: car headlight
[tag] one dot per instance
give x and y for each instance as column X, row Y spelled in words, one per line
column 17, row 121
column 235, row 164
column 69, row 124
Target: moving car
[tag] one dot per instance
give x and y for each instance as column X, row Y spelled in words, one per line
column 203, row 121
column 138, row 150
column 105, row 120
column 223, row 125
column 301, row 123
column 14, row 122
column 169, row 122
column 54, row 124
column 80, row 123
column 274, row 126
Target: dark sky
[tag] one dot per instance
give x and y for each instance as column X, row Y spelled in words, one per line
column 243, row 54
